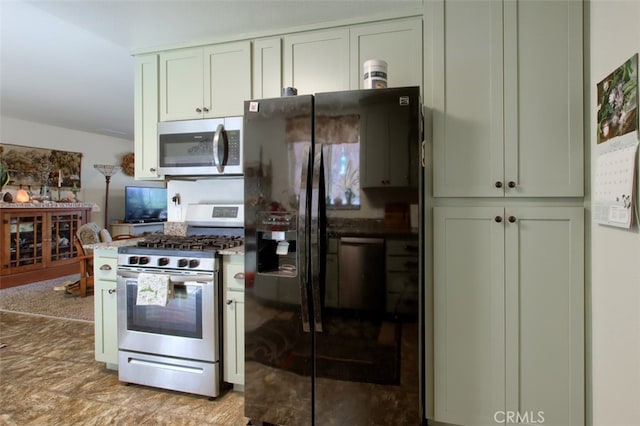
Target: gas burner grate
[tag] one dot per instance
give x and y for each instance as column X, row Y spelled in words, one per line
column 193, row 242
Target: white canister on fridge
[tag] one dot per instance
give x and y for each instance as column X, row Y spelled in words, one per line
column 375, row 74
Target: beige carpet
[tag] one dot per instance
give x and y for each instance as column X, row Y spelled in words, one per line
column 40, row 298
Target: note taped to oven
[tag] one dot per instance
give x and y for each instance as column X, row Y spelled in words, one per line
column 153, row 289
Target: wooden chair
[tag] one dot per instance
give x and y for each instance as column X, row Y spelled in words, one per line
column 89, row 233
column 86, row 269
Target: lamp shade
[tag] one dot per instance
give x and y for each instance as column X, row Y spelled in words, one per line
column 22, row 196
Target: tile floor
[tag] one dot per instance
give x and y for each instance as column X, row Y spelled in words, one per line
column 48, row 376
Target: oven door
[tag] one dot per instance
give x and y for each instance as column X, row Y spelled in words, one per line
column 187, row 327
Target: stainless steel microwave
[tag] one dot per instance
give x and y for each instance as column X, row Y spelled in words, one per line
column 206, row 147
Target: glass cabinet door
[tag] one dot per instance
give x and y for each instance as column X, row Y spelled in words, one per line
column 25, row 240
column 63, row 229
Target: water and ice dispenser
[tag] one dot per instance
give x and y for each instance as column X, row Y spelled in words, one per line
column 277, row 243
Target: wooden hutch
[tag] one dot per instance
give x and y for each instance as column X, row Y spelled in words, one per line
column 36, row 240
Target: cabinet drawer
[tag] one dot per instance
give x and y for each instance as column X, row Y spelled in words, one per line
column 402, row 263
column 104, row 268
column 402, row 247
column 402, row 282
column 332, row 247
column 402, row 303
column 233, row 276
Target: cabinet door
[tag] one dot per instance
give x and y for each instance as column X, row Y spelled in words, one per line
column 181, row 84
column 466, row 44
column 333, row 276
column 267, row 68
column 105, row 309
column 63, row 226
column 146, row 106
column 545, row 313
column 507, row 121
column 544, row 101
column 381, row 41
column 234, row 337
column 227, row 78
column 469, row 315
column 509, row 313
column 24, row 241
column 317, row 61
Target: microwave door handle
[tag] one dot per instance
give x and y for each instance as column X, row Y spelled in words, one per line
column 220, row 162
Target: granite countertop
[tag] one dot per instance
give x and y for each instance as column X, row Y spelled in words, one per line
column 113, row 245
column 233, row 251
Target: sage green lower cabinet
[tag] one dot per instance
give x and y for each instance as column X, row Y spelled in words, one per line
column 509, row 315
column 105, row 306
column 233, row 318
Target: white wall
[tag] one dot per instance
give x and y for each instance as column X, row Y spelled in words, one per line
column 615, row 253
column 95, row 149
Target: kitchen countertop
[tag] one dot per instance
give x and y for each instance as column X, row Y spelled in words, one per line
column 113, row 245
column 233, row 251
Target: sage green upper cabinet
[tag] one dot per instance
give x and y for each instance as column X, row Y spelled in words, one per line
column 204, row 82
column 507, row 100
column 317, row 61
column 267, row 68
column 146, row 117
column 397, row 42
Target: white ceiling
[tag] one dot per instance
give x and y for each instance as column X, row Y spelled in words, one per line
column 68, row 63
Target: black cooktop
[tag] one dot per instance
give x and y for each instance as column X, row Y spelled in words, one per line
column 191, row 242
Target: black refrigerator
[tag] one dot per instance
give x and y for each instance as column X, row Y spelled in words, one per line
column 333, row 320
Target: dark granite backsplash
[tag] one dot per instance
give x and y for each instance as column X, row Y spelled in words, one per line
column 340, row 227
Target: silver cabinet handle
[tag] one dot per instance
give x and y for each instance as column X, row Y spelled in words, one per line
column 239, row 276
column 105, row 268
column 111, row 291
column 229, row 301
column 198, row 110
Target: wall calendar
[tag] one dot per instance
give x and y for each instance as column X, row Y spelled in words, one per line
column 614, row 198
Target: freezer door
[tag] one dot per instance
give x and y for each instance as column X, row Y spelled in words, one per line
column 278, row 344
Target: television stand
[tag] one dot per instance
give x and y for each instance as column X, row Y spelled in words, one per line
column 117, row 229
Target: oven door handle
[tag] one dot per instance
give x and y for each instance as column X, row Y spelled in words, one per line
column 173, row 278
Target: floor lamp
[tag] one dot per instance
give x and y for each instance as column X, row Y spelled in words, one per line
column 107, row 170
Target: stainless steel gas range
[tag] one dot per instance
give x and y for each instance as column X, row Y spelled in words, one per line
column 169, row 304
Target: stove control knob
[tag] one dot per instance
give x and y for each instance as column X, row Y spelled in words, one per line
column 182, row 263
column 143, row 260
column 133, row 260
column 163, row 261
column 193, row 263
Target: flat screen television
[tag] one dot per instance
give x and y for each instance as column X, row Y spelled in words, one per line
column 145, row 204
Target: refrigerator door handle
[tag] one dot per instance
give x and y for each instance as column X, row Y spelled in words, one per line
column 318, row 241
column 303, row 239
